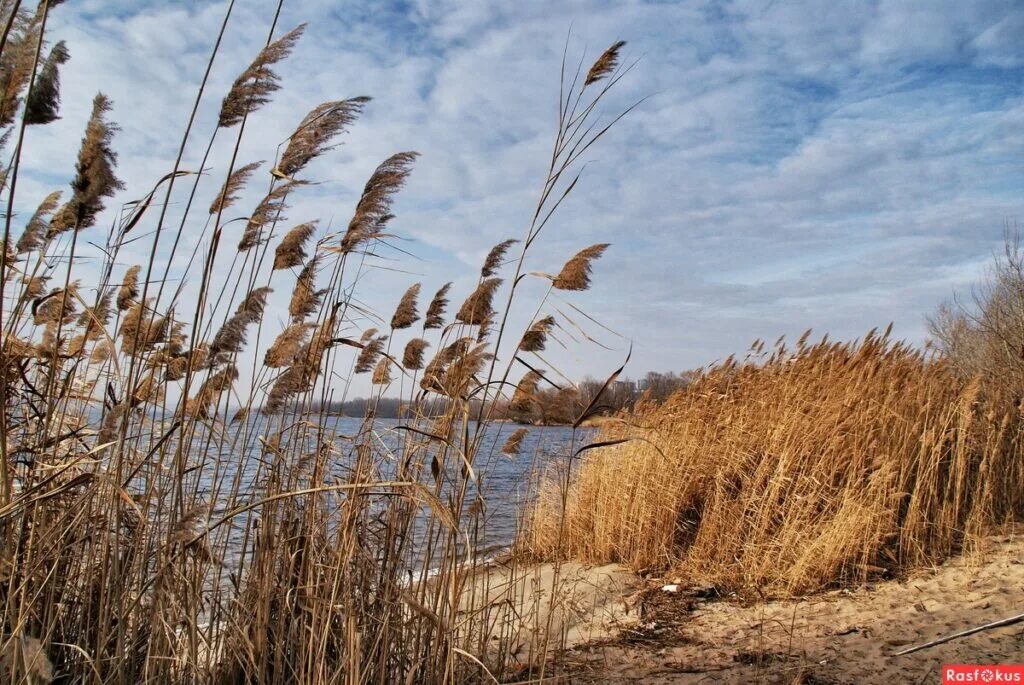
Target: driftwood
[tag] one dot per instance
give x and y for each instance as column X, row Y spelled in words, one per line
column 1019, row 618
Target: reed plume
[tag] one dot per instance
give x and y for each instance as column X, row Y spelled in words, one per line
column 412, row 358
column 478, row 306
column 291, row 251
column 605, row 64
column 16, row 63
column 141, row 329
column 270, row 209
column 305, row 298
column 231, row 337
column 210, row 392
column 301, row 375
column 433, row 375
column 129, row 288
column 575, row 275
column 524, row 398
column 313, row 136
column 233, row 186
column 287, row 345
column 495, row 257
column 382, row 372
column 96, row 317
column 368, row 356
column 35, row 229
column 464, row 369
column 94, row 173
column 536, row 337
column 34, row 286
column 405, row 314
column 435, row 312
column 375, row 201
column 43, row 103
column 56, row 307
column 253, row 86
column 514, row 443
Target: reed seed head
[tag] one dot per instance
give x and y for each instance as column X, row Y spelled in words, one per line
column 313, row 136
column 35, row 229
column 605, row 64
column 253, row 86
column 478, row 306
column 43, row 103
column 269, row 211
column 94, row 173
column 232, row 187
column 378, row 194
column 536, row 336
column 292, row 339
column 305, row 298
column 575, row 275
column 129, row 290
column 231, row 337
column 291, row 250
column 435, row 312
column 412, row 358
column 514, row 443
column 495, row 257
column 405, row 314
column 382, row 372
column 524, row 398
column 369, row 355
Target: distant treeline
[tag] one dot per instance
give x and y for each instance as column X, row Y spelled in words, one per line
column 551, row 405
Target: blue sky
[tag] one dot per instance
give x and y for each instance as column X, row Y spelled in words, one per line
column 823, row 165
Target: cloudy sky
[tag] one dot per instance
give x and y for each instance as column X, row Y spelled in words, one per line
column 823, row 165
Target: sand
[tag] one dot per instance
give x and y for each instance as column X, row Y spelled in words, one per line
column 846, row 636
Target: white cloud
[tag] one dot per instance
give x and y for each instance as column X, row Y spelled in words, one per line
column 823, row 165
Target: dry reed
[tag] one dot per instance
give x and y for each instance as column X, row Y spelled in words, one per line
column 830, row 463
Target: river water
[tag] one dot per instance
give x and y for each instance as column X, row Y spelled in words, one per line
column 505, row 483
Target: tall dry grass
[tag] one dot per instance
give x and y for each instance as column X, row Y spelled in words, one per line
column 795, row 470
column 165, row 518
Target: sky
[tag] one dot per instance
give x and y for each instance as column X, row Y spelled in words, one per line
column 795, row 165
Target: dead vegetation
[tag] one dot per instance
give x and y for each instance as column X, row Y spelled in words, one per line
column 794, row 470
column 167, row 515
